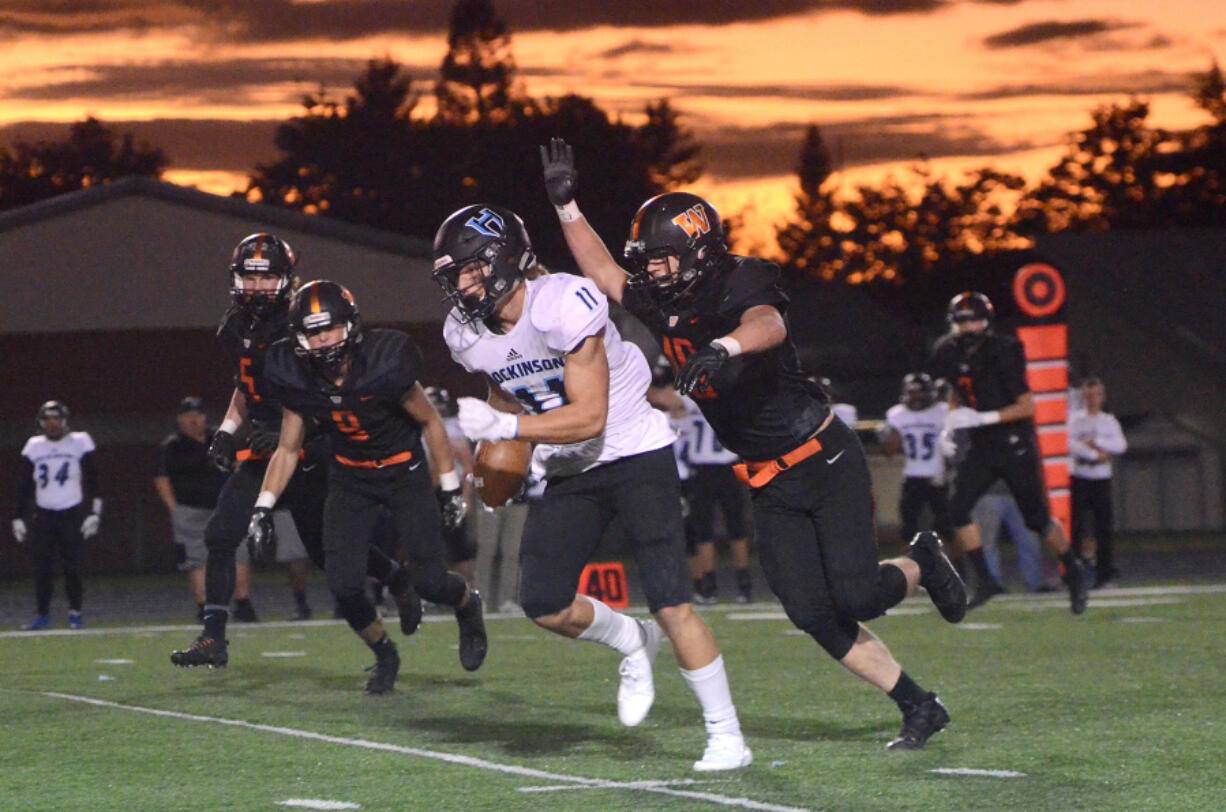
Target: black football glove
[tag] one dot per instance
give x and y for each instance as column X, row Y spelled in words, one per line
column 260, row 535
column 222, row 451
column 263, row 443
column 454, row 508
column 700, row 368
column 561, row 179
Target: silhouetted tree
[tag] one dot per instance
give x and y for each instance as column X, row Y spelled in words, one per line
column 477, row 77
column 809, row 243
column 89, row 157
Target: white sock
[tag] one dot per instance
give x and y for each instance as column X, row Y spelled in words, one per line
column 619, row 632
column 710, row 686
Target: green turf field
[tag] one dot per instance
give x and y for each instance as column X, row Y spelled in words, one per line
column 1123, row 708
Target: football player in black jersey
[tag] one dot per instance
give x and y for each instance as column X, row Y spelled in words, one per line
column 720, row 319
column 990, row 397
column 262, row 279
column 362, row 386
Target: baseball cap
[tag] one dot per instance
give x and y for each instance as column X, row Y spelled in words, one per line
column 191, row 404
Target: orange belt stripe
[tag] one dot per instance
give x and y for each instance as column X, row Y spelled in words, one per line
column 403, row 456
column 757, row 474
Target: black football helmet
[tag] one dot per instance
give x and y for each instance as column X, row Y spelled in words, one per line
column 674, row 224
column 262, row 254
column 442, row 400
column 490, row 235
column 322, row 305
column 53, row 410
column 970, row 306
column 918, row 391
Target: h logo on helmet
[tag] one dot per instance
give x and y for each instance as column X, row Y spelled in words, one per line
column 488, row 223
column 694, row 221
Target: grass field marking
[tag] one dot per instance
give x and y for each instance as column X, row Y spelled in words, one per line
column 979, row 627
column 449, row 758
column 282, row 653
column 978, row 773
column 114, row 661
column 680, row 782
column 1145, row 620
column 313, row 803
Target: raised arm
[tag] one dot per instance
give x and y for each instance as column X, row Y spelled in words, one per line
column 594, row 259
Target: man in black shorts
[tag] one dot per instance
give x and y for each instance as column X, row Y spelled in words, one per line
column 990, row 397
column 720, row 319
column 262, row 278
column 362, row 387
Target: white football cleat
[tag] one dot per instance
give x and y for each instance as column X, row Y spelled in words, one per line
column 725, row 751
column 638, row 690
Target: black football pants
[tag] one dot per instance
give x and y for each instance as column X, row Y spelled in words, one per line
column 918, row 491
column 1092, row 498
column 52, row 532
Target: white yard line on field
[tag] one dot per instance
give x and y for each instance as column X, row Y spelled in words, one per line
column 449, row 758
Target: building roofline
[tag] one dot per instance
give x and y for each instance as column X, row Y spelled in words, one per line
column 217, row 204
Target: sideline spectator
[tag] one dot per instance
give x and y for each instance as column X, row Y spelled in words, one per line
column 1094, row 438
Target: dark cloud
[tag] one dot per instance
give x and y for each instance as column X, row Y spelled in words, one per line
column 1122, row 83
column 1035, row 33
column 844, row 93
column 287, row 20
column 637, row 46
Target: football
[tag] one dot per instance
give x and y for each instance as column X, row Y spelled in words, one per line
column 500, row 470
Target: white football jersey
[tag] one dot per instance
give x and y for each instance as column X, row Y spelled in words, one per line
column 57, row 468
column 920, row 431
column 702, row 447
column 560, row 311
column 847, row 413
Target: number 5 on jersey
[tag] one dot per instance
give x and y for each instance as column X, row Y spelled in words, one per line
column 349, row 425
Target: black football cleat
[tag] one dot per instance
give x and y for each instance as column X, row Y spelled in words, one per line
column 919, row 723
column 944, row 587
column 1078, row 585
column 244, row 612
column 383, row 675
column 204, row 651
column 408, row 604
column 985, row 592
column 473, row 642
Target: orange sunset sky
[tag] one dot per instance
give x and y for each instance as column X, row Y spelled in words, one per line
column 965, row 82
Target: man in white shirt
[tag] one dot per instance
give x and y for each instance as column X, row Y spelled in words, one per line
column 560, row 376
column 1094, row 438
column 58, row 488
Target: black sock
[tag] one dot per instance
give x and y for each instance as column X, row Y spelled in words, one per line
column 980, row 565
column 383, row 649
column 300, row 598
column 743, row 581
column 215, row 622
column 906, row 693
column 243, row 603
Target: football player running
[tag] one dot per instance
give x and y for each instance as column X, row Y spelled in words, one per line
column 559, row 375
column 991, row 398
column 262, row 279
column 720, row 319
column 362, row 386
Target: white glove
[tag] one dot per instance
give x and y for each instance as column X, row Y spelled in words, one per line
column 19, row 531
column 967, row 418
column 89, row 527
column 947, row 445
column 481, row 421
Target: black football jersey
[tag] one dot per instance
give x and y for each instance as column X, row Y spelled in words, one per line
column 247, row 341
column 365, row 415
column 988, row 377
column 760, row 404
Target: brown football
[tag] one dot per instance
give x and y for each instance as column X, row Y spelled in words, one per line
column 500, row 470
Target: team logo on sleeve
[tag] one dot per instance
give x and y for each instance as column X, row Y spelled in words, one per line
column 487, row 222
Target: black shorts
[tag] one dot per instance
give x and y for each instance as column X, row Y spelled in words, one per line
column 565, row 527
column 1013, row 456
column 711, row 486
column 303, row 497
column 815, row 536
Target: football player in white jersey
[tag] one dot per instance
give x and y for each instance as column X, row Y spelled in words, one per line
column 58, row 487
column 914, row 426
column 560, row 376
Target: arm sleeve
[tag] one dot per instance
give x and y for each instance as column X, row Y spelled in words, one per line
column 1113, row 441
column 1080, row 450
column 1013, row 363
column 89, row 478
column 408, row 367
column 25, row 487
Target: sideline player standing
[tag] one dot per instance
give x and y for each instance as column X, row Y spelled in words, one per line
column 987, row 373
column 58, row 479
column 261, row 280
column 1095, row 437
column 547, row 348
column 720, row 320
column 915, row 427
column 362, row 386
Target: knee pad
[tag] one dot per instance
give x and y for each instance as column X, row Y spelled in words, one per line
column 357, row 609
column 834, row 634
